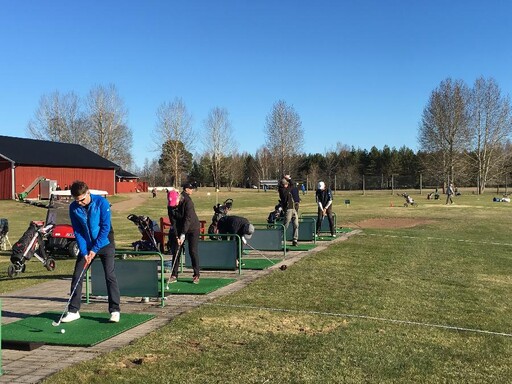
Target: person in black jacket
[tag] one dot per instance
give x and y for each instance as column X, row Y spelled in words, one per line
column 288, row 204
column 236, row 225
column 324, row 202
column 188, row 228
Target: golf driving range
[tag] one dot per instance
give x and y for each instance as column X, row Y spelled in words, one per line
column 414, row 294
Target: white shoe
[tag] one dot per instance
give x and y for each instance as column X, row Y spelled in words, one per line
column 114, row 317
column 70, row 316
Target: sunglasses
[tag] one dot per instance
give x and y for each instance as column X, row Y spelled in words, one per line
column 82, row 199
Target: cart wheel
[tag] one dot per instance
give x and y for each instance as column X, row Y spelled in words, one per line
column 50, row 264
column 73, row 250
column 11, row 271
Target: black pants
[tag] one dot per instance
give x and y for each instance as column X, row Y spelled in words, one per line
column 192, row 239
column 106, row 256
column 320, row 217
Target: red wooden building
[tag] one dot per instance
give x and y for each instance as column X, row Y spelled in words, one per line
column 22, row 161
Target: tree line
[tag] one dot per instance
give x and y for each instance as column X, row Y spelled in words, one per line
column 463, row 135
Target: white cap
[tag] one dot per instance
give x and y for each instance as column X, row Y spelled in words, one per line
column 321, row 185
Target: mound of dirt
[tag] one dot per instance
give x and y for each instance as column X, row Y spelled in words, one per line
column 392, row 223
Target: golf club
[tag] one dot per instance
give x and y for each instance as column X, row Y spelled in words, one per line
column 57, row 323
column 261, row 254
column 176, row 257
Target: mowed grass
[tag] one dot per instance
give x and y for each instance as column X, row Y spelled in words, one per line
column 428, row 303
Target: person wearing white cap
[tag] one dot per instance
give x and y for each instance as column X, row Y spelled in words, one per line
column 324, row 201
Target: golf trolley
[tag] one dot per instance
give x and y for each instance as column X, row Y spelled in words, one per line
column 31, row 243
column 219, row 212
column 409, row 200
column 4, row 231
column 147, row 228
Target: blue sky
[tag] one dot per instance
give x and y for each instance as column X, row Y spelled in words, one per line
column 357, row 72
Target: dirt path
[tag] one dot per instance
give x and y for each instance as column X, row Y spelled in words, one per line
column 134, row 200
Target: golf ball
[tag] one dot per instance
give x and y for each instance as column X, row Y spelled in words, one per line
column 62, row 331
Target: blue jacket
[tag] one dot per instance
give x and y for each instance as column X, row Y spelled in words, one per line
column 91, row 224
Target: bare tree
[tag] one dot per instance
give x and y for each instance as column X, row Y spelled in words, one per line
column 264, row 164
column 284, row 135
column 59, row 118
column 491, row 126
column 218, row 141
column 109, row 135
column 444, row 127
column 174, row 128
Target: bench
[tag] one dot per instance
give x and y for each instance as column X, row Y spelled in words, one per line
column 165, row 225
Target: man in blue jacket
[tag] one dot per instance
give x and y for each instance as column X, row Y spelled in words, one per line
column 90, row 217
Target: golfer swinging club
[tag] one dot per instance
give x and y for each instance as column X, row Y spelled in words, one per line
column 90, row 217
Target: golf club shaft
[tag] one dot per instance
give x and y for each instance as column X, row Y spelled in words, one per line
column 254, row 249
column 72, row 293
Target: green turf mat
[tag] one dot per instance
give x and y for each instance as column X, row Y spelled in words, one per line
column 259, row 263
column 89, row 330
column 300, row 247
column 343, row 230
column 325, row 238
column 184, row 286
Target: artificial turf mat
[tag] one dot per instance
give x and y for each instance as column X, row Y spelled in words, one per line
column 300, row 247
column 90, row 329
column 259, row 263
column 325, row 238
column 184, row 286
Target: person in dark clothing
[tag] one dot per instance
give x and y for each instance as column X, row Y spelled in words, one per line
column 188, row 228
column 236, row 225
column 90, row 216
column 295, row 196
column 324, row 200
column 288, row 204
column 173, row 211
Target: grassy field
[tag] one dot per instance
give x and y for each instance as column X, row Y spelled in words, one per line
column 422, row 294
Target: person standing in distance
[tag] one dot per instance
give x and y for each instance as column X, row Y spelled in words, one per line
column 449, row 193
column 188, row 228
column 287, row 203
column 324, row 201
column 90, row 217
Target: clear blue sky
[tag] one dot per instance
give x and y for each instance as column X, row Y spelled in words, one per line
column 358, row 72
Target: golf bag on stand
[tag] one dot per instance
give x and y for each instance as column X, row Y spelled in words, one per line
column 31, row 243
column 219, row 212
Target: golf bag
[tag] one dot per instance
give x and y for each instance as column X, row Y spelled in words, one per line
column 408, row 200
column 4, row 231
column 147, row 228
column 275, row 214
column 31, row 243
column 219, row 212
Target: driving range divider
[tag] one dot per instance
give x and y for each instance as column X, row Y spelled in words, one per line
column 136, row 277
column 324, row 227
column 267, row 237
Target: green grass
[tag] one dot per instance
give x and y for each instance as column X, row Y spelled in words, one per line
column 375, row 308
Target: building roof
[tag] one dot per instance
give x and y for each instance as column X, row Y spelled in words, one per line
column 121, row 173
column 50, row 153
